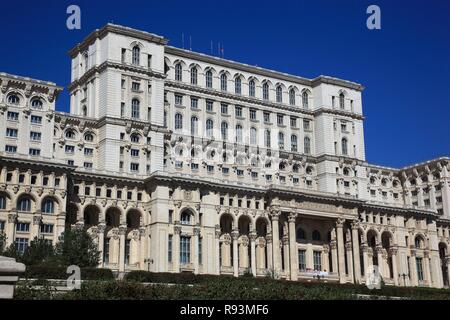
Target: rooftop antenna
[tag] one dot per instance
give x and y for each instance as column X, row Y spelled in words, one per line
column 182, row 40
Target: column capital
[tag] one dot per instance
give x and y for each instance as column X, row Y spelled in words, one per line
column 12, row 217
column 218, row 233
column 177, row 229
column 355, row 224
column 37, row 219
column 122, row 229
column 275, row 213
column 252, row 236
column 101, row 227
column 326, row 248
column 269, row 238
column 348, row 246
column 393, row 251
column 292, row 217
column 413, row 252
column 196, row 231
column 426, row 254
column 142, row 231
column 235, row 234
column 340, row 222
column 333, row 244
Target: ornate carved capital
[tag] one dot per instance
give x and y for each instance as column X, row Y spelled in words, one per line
column 101, row 227
column 355, row 224
column 252, row 236
column 37, row 220
column 177, row 229
column 340, row 222
column 333, row 245
column 122, row 230
column 142, row 231
column 12, row 217
column 235, row 234
column 196, row 231
column 292, row 217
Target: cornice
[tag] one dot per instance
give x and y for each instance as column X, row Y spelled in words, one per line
column 17, row 161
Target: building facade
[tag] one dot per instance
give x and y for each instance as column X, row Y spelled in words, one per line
column 176, row 161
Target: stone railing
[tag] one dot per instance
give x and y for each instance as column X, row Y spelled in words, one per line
column 9, row 275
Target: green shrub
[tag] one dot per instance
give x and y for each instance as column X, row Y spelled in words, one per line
column 48, row 272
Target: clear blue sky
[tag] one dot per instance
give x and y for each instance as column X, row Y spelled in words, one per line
column 405, row 67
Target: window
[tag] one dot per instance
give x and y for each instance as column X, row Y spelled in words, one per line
column 238, row 111
column 106, row 251
column 223, row 108
column 307, row 145
column 185, row 218
column 254, row 175
column 317, row 260
column 344, row 147
column 280, row 119
column 122, row 109
column 135, row 138
column 2, row 202
column 266, row 91
column 13, row 99
column 279, row 94
column 237, row 85
column 88, row 152
column 194, row 126
column 134, row 167
column 194, row 103
column 200, row 253
column 48, row 206
column 169, row 248
column 21, row 244
column 185, row 250
column 266, row 117
column 251, row 88
column 36, row 119
column 293, row 122
column 135, row 86
column 69, row 149
column 34, row 152
column 127, row 251
column 36, row 103
column 89, row 137
column 194, row 166
column 316, row 235
column 342, row 101
column 306, row 125
column 225, row 170
column 149, row 61
column 13, row 116
column 305, row 98
column 178, row 121
column 135, row 108
column 70, row 134
column 302, row 260
column 267, row 138
column 419, row 267
column 224, row 130
column 294, row 143
column 208, row 79
column 134, row 152
column 194, row 75
column 87, row 165
column 12, row 133
column 238, row 133
column 223, row 82
column 281, row 140
column 292, row 97
column 178, row 100
column 240, row 172
column 136, row 52
column 209, row 105
column 253, row 140
column 209, row 128
column 210, row 168
column 22, row 227
column 178, row 72
column 252, row 114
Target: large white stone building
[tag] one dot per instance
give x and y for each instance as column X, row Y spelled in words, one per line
column 179, row 161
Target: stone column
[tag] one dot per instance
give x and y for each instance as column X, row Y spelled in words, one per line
column 348, row 249
column 143, row 248
column 393, row 252
column 217, row 249
column 334, row 258
column 37, row 219
column 275, row 215
column 235, row 237
column 269, row 247
column 287, row 265
column 293, row 251
column 379, row 253
column 427, row 271
column 365, row 251
column 252, row 237
column 413, row 268
column 122, row 234
column 195, row 251
column 11, row 229
column 448, row 269
column 356, row 254
column 325, row 259
column 176, row 248
column 432, row 197
column 445, row 196
column 101, row 240
column 341, row 249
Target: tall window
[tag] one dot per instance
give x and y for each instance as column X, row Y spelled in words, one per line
column 178, row 72
column 127, row 251
column 267, row 138
column 185, row 218
column 419, row 267
column 106, row 251
column 251, row 88
column 48, row 206
column 279, row 94
column 305, row 99
column 24, row 205
column 36, row 103
column 294, row 143
column 178, row 121
column 13, row 99
column 238, row 133
column 200, row 253
column 136, row 55
column 135, row 108
column 2, row 202
column 194, row 75
column 307, row 145
column 223, row 82
column 209, row 79
column 302, row 260
column 317, row 260
column 21, row 244
column 209, row 127
column 194, row 126
column 253, row 140
column 342, row 101
column 237, row 85
column 84, row 111
column 169, row 249
column 224, row 130
column 292, row 97
column 344, row 147
column 266, row 91
column 281, row 140
column 185, row 250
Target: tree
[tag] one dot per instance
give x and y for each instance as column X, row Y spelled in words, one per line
column 40, row 251
column 2, row 241
column 77, row 248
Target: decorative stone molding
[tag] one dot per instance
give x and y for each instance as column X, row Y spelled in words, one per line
column 9, row 275
column 340, row 222
column 235, row 234
column 177, row 229
column 122, row 230
column 196, row 231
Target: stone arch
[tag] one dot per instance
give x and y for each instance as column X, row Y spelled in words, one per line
column 372, row 237
column 262, row 226
column 113, row 217
column 91, row 215
column 227, row 223
column 420, row 241
column 56, row 204
column 245, row 224
column 133, row 218
column 188, row 210
column 33, row 200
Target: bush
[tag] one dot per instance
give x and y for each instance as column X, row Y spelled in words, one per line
column 166, row 277
column 46, row 272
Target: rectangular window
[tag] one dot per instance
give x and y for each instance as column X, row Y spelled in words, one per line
column 70, row 162
column 194, row 103
column 34, row 152
column 223, row 108
column 240, row 172
column 169, row 249
column 252, row 114
column 134, row 167
column 87, row 165
column 122, row 109
column 35, row 136
column 419, row 267
column 302, row 260
column 36, row 119
column 106, row 251
column 254, row 175
column 135, row 86
column 127, row 251
column 88, row 151
column 210, row 168
column 70, row 149
column 317, row 260
column 21, row 244
column 293, row 122
column 238, row 112
column 10, row 149
column 266, row 117
column 178, row 100
column 343, row 127
column 306, row 124
column 149, row 61
column 22, row 227
column 12, row 133
column 46, row 228
column 295, row 181
column 194, row 166
column 13, row 116
column 134, row 152
column 185, row 250
column 225, row 170
column 280, row 119
column 209, row 105
column 2, row 225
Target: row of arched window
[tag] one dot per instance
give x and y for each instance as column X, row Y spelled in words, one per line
column 14, row 99
column 24, row 204
column 71, row 134
column 238, row 86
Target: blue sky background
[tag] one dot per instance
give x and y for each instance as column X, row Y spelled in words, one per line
column 405, row 67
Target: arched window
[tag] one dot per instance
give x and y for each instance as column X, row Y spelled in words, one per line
column 279, row 94
column 224, row 130
column 251, row 88
column 307, row 145
column 36, row 103
column 194, row 126
column 178, row 72
column 135, row 138
column 238, row 133
column 24, row 204
column 294, row 143
column 84, row 111
column 305, row 98
column 135, row 108
column 342, row 101
column 344, row 147
column 194, row 74
column 48, row 206
column 223, row 82
column 266, row 91
column 2, row 202
column 281, row 140
column 89, row 137
column 292, row 97
column 316, row 235
column 136, row 53
column 418, row 242
column 209, row 79
column 253, row 140
column 70, row 134
column 237, row 85
column 178, row 121
column 185, row 218
column 209, row 127
column 267, row 138
column 13, row 99
column 301, row 235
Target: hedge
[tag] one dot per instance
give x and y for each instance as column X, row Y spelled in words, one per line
column 167, row 277
column 46, row 272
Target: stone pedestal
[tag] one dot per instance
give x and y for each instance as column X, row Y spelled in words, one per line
column 9, row 275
